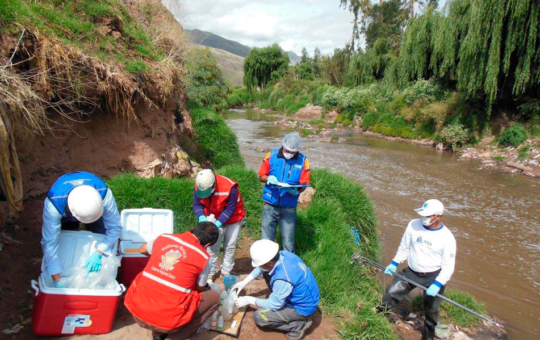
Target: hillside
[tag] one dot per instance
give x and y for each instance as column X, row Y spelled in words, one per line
column 232, row 65
column 209, row 39
column 213, row 40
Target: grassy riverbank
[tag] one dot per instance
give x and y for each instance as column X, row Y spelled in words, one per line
column 323, row 239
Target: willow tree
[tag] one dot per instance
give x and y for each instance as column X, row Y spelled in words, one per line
column 489, row 48
column 263, row 65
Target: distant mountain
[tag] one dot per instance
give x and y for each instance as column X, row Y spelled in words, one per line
column 212, row 40
column 295, row 59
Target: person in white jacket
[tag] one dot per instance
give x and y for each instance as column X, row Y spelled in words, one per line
column 430, row 250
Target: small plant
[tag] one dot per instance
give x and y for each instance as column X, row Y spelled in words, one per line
column 136, row 66
column 524, row 152
column 454, row 136
column 513, row 136
column 498, row 158
column 334, row 139
column 306, row 132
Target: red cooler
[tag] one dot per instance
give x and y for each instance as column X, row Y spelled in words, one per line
column 140, row 226
column 66, row 311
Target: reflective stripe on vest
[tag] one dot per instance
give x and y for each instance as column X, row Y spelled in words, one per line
column 166, row 283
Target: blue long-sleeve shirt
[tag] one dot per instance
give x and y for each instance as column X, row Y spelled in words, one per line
column 52, row 225
column 280, row 290
column 229, row 210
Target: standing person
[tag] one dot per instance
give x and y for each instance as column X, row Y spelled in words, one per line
column 295, row 294
column 169, row 296
column 283, row 165
column 75, row 198
column 430, row 250
column 219, row 196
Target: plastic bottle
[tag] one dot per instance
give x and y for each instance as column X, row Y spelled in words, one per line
column 234, row 296
column 220, row 323
column 213, row 324
column 222, row 297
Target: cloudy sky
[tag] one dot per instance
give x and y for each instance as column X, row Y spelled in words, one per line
column 293, row 24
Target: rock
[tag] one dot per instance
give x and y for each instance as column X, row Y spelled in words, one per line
column 331, row 116
column 460, row 336
column 440, row 147
column 519, row 166
column 532, row 173
column 443, row 331
column 306, row 197
column 175, row 163
column 262, row 150
column 309, row 112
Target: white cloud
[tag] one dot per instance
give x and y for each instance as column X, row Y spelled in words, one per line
column 291, row 24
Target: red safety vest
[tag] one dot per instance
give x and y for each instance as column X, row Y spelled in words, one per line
column 217, row 202
column 164, row 294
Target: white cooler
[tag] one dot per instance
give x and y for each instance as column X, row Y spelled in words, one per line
column 140, row 226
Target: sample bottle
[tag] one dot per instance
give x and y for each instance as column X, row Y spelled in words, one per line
column 220, row 323
column 223, row 296
column 234, row 296
column 214, row 322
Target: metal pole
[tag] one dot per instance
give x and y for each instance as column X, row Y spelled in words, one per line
column 377, row 265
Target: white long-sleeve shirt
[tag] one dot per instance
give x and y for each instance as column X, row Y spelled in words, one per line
column 52, row 225
column 428, row 250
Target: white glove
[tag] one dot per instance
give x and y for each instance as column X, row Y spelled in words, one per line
column 245, row 301
column 238, row 287
column 211, row 218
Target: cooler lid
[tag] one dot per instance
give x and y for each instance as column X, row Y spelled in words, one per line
column 144, row 225
column 74, row 247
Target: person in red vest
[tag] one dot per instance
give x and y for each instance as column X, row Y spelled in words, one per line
column 219, row 196
column 169, row 295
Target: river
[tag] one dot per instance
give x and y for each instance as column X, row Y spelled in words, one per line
column 494, row 216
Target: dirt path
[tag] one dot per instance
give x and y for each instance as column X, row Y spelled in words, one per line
column 20, row 263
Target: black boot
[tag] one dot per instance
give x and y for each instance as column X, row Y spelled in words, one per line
column 160, row 337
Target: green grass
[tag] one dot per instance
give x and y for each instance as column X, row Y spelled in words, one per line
column 499, row 158
column 453, row 314
column 78, row 23
column 524, row 152
column 217, row 143
column 136, row 66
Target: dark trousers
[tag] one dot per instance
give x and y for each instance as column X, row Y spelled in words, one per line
column 97, row 227
column 399, row 289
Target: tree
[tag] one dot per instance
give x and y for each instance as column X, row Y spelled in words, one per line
column 358, row 8
column 264, row 65
column 205, row 83
column 335, row 66
column 317, row 69
column 305, row 56
column 385, row 20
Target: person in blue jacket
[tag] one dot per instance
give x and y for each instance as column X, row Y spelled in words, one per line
column 75, row 198
column 295, row 294
column 284, row 165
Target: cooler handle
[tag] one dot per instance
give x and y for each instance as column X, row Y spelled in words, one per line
column 35, row 286
column 122, row 288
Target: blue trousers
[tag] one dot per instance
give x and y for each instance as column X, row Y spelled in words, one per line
column 285, row 217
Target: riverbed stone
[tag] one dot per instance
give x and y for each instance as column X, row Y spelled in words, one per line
column 443, row 331
column 460, row 336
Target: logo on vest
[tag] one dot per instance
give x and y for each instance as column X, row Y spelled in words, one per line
column 170, row 259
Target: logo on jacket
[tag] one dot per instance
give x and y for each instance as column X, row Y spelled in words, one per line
column 419, row 239
column 170, row 259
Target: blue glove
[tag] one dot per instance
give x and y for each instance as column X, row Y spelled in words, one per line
column 218, row 224
column 93, row 263
column 433, row 290
column 292, row 191
column 202, row 218
column 59, row 284
column 272, row 180
column 391, row 269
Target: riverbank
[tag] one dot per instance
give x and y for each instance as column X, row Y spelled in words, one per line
column 314, row 123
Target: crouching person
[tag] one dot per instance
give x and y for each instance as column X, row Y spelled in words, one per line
column 295, row 294
column 168, row 296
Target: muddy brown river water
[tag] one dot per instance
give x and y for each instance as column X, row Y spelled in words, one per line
column 494, row 216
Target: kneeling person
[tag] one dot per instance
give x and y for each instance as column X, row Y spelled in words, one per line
column 168, row 295
column 295, row 294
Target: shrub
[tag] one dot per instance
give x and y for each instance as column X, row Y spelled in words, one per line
column 423, row 91
column 513, row 136
column 524, row 152
column 453, row 136
column 370, row 119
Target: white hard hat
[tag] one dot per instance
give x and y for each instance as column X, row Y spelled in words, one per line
column 205, row 183
column 430, row 208
column 262, row 251
column 85, row 204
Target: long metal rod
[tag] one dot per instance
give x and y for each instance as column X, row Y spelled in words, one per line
column 379, row 266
